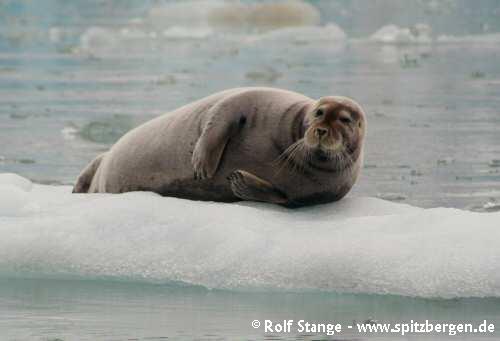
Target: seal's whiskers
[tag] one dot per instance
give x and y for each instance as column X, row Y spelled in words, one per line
column 289, row 157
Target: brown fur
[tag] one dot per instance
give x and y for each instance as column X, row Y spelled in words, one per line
column 245, row 143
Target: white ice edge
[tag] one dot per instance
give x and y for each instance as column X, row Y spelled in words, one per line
column 358, row 245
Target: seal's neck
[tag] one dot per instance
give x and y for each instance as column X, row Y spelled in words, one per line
column 299, row 123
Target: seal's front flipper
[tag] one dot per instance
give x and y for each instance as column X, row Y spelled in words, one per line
column 247, row 186
column 207, row 154
column 224, row 122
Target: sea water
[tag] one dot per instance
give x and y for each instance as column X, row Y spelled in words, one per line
column 76, row 76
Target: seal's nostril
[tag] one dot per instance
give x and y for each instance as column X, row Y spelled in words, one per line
column 320, row 132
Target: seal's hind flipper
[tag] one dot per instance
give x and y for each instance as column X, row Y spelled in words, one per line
column 85, row 178
column 247, row 186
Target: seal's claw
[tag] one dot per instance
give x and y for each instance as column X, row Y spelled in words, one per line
column 233, row 177
column 247, row 186
column 237, row 184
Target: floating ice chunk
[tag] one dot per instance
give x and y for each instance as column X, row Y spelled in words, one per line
column 495, row 163
column 16, row 181
column 491, row 38
column 133, row 33
column 267, row 15
column 292, row 21
column 184, row 13
column 389, row 34
column 96, row 39
column 69, row 132
column 491, row 206
column 55, row 35
column 393, row 34
column 233, row 15
column 306, row 34
column 358, row 245
column 179, row 32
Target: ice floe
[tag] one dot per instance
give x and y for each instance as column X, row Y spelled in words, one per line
column 233, row 15
column 358, row 245
column 303, row 35
column 487, row 38
column 393, row 34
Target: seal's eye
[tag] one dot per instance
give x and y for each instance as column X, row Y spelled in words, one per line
column 345, row 120
column 319, row 113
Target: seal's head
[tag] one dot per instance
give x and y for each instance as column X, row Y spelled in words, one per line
column 335, row 130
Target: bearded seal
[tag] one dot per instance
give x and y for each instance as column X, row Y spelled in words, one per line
column 258, row 144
